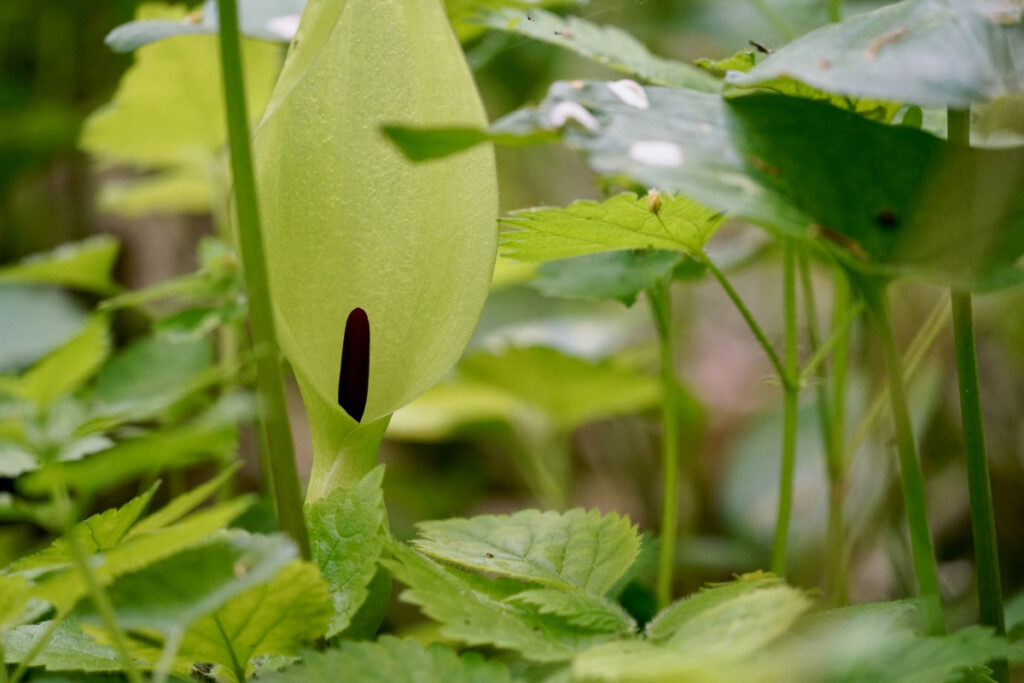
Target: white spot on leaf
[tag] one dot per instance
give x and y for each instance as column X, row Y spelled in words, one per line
column 657, row 153
column 284, row 26
column 630, row 92
column 563, row 112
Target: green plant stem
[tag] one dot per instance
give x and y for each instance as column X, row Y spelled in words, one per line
column 99, row 596
column 839, row 335
column 835, row 11
column 276, row 430
column 773, row 18
column 837, row 425
column 912, row 477
column 748, row 317
column 660, row 298
column 983, row 521
column 791, row 407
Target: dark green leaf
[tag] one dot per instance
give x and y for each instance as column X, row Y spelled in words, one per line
column 618, row 275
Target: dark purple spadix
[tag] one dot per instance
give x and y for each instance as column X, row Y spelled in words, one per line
column 354, row 378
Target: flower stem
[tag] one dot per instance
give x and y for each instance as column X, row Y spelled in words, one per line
column 276, row 430
column 983, row 523
column 791, row 407
column 835, row 11
column 912, row 478
column 660, row 297
column 838, row 551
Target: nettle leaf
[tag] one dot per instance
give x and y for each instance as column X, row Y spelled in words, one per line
column 576, row 549
column 618, row 275
column 946, row 53
column 65, row 369
column 271, row 20
column 68, row 648
column 391, row 660
column 347, row 531
column 478, row 611
column 85, row 265
column 606, row 45
column 623, row 222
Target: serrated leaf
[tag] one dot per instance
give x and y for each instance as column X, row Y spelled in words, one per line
column 476, row 611
column 346, row 536
column 576, row 549
column 65, row 369
column 606, row 45
column 946, row 53
column 615, row 275
column 390, row 660
column 69, row 648
column 585, row 611
column 85, row 265
column 670, row 619
column 183, row 504
column 623, row 222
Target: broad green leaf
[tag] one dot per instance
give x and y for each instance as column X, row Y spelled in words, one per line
column 182, row 189
column 576, row 549
column 276, row 618
column 14, row 591
column 100, row 532
column 271, row 20
column 390, row 660
column 346, row 535
column 606, row 45
column 450, row 407
column 48, row 318
column 152, row 369
column 582, row 610
column 623, row 222
column 477, row 611
column 69, row 648
column 168, row 111
column 570, row 391
column 64, row 370
column 618, row 275
column 946, row 53
column 84, row 265
column 672, row 618
column 170, row 595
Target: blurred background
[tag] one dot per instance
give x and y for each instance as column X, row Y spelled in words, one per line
column 556, row 402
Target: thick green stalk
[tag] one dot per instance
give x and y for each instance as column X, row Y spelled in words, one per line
column 660, row 297
column 983, row 520
column 912, row 477
column 791, row 408
column 277, row 436
column 837, row 425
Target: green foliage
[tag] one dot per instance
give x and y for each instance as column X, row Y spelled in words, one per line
column 47, row 318
column 68, row 648
column 606, row 45
column 577, row 549
column 347, row 531
column 616, row 275
column 84, row 265
column 673, row 618
column 390, row 660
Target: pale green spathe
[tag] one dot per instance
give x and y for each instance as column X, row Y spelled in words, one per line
column 349, row 222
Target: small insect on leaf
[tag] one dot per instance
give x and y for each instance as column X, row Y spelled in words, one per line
column 354, row 378
column 654, row 201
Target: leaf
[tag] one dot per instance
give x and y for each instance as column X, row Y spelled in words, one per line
column 271, row 20
column 584, row 611
column 669, row 620
column 276, row 618
column 606, row 45
column 476, row 611
column 181, row 189
column 152, row 369
column 69, row 648
column 623, row 222
column 618, row 275
column 390, row 660
column 64, row 370
column 85, row 265
column 945, row 53
column 183, row 504
column 419, row 143
column 49, row 318
column 576, row 549
column 346, row 535
column 13, row 597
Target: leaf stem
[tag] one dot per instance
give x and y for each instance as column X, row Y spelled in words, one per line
column 660, row 297
column 983, row 523
column 837, row 461
column 276, row 430
column 912, row 478
column 835, row 11
column 840, row 335
column 790, row 412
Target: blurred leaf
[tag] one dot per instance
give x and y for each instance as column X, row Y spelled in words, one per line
column 476, row 611
column 153, row 368
column 85, row 265
column 69, row 648
column 1015, row 617
column 946, row 53
column 346, row 535
column 450, row 407
column 623, row 222
column 421, row 144
column 180, row 189
column 15, row 460
column 618, row 275
column 584, row 611
column 64, row 370
column 183, row 504
column 390, row 660
column 670, row 620
column 576, row 549
column 13, row 597
column 272, row 20
column 606, row 45
column 47, row 318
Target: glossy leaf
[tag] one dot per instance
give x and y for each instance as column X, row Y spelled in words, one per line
column 576, row 549
column 391, row 660
column 85, row 266
column 606, row 45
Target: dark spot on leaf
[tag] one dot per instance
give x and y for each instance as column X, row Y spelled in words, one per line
column 489, row 556
column 888, row 219
column 839, row 239
column 354, row 378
